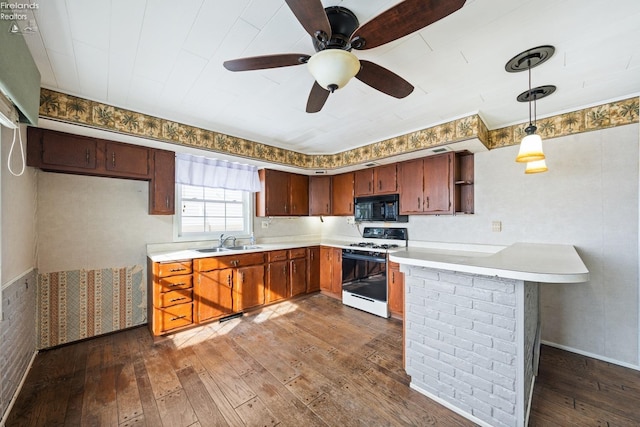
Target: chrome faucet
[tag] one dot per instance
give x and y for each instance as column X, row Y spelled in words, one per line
column 222, row 241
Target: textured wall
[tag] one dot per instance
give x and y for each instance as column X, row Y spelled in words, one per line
column 17, row 337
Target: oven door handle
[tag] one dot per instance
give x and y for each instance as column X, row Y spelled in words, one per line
column 363, row 257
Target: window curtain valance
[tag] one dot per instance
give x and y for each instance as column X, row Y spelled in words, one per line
column 202, row 171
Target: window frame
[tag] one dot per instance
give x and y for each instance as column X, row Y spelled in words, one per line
column 248, row 202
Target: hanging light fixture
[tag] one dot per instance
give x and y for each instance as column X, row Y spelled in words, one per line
column 531, row 145
column 536, row 166
column 333, row 68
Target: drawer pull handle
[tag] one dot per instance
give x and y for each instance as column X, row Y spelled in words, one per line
column 178, row 318
column 177, row 299
column 88, row 156
column 176, row 284
column 173, row 270
column 113, row 159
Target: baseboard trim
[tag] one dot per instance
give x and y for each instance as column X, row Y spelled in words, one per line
column 592, row 355
column 17, row 392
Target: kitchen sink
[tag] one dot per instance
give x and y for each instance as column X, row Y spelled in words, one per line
column 207, row 250
column 244, row 247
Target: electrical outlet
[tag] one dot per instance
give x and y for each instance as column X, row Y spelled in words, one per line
column 265, row 224
column 496, row 226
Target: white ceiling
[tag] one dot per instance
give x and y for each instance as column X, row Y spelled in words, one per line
column 164, row 58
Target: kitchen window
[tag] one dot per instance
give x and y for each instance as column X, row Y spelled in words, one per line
column 205, row 213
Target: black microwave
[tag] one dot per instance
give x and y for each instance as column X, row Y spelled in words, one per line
column 384, row 208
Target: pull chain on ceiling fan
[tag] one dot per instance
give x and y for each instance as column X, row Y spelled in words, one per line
column 335, row 31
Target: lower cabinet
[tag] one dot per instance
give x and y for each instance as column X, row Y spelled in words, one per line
column 214, row 293
column 331, row 271
column 313, row 269
column 191, row 292
column 395, row 289
column 170, row 304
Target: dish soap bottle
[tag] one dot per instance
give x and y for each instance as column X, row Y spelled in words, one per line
column 252, row 240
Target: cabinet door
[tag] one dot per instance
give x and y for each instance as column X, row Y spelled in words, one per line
column 385, row 179
column 129, row 160
column 248, row 288
column 438, row 184
column 342, row 194
column 163, row 183
column 313, row 269
column 320, row 195
column 277, row 281
column 67, row 152
column 410, row 180
column 274, row 197
column 336, row 271
column 298, row 194
column 395, row 281
column 363, row 183
column 214, row 293
column 298, row 276
column 326, row 264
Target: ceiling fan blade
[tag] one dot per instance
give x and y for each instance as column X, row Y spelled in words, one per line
column 401, row 20
column 311, row 14
column 266, row 61
column 383, row 80
column 317, row 98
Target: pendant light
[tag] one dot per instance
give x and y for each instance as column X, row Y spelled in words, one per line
column 531, row 145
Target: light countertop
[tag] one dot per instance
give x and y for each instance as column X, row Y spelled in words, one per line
column 534, row 262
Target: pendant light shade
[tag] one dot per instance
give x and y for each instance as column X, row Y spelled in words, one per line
column 530, row 147
column 536, row 166
column 333, row 68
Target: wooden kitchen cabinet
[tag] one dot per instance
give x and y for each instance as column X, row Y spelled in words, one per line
column 319, row 195
column 248, row 287
column 331, row 271
column 214, row 294
column 313, row 269
column 282, row 194
column 377, row 180
column 62, row 152
column 277, row 283
column 163, row 183
column 342, row 194
column 464, row 176
column 126, row 159
column 395, row 289
column 426, row 185
column 297, row 271
column 170, row 304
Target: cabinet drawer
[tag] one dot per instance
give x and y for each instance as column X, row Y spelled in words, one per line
column 174, row 268
column 228, row 261
column 173, row 283
column 297, row 253
column 180, row 296
column 274, row 256
column 175, row 316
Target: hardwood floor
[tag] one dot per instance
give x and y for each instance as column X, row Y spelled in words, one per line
column 306, row 362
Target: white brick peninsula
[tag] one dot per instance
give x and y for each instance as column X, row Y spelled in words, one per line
column 472, row 323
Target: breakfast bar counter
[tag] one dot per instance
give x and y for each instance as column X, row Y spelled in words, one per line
column 472, row 329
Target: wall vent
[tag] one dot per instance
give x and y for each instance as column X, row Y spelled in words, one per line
column 370, row 164
column 440, row 150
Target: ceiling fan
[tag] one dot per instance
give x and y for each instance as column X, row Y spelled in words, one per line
column 335, row 31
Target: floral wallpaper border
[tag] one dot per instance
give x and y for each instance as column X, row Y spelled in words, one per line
column 71, row 109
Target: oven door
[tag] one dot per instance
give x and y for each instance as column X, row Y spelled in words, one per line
column 364, row 274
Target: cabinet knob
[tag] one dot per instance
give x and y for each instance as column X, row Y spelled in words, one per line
column 419, row 205
column 113, row 159
column 88, row 156
column 167, row 201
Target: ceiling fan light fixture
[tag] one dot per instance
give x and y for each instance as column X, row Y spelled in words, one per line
column 536, row 166
column 333, row 68
column 530, row 147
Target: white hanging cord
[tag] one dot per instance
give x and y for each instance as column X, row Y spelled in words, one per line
column 13, row 143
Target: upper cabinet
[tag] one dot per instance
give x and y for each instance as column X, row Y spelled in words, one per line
column 437, row 185
column 342, row 194
column 378, row 180
column 320, row 195
column 426, row 185
column 54, row 151
column 283, row 194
